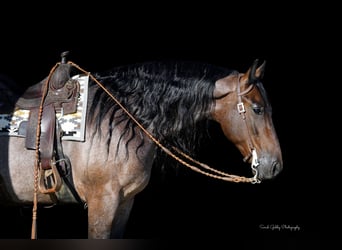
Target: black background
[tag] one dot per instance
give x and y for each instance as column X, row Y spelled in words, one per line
column 299, row 47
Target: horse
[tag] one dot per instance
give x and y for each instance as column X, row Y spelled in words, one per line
column 139, row 113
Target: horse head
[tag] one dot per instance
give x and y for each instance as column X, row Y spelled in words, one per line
column 245, row 116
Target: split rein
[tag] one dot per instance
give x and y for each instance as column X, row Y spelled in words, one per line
column 215, row 173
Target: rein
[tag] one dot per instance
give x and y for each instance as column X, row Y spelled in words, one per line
column 216, row 173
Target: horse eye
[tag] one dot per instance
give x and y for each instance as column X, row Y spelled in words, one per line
column 258, row 110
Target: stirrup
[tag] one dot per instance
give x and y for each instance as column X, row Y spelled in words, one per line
column 49, row 179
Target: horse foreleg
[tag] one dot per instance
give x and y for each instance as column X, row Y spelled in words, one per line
column 121, row 218
column 101, row 212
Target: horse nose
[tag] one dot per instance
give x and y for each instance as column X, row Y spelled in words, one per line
column 269, row 169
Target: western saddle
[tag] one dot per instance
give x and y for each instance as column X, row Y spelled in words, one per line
column 56, row 93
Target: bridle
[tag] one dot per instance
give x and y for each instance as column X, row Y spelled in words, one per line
column 242, row 112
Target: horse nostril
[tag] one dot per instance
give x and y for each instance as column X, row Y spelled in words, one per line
column 276, row 168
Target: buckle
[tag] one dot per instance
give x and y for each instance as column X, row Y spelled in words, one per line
column 241, row 107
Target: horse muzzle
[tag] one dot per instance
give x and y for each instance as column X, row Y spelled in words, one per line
column 268, row 168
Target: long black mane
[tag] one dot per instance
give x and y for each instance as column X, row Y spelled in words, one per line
column 172, row 99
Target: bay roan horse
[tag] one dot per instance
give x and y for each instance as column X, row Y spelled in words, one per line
column 167, row 105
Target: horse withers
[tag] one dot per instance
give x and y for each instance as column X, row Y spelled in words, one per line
column 137, row 113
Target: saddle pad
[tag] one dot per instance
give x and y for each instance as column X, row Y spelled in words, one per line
column 73, row 125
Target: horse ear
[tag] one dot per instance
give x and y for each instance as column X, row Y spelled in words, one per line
column 259, row 73
column 254, row 73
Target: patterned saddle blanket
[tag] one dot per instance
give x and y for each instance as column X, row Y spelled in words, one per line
column 72, row 124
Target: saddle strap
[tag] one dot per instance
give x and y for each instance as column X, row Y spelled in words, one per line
column 47, row 136
column 50, row 180
column 64, row 168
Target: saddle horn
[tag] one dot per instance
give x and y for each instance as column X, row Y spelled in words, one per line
column 63, row 56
